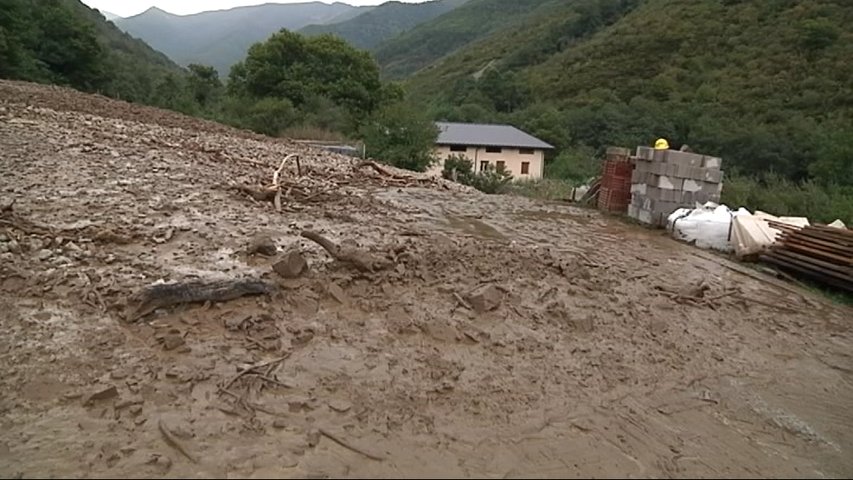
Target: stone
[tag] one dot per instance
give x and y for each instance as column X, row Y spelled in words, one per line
column 337, row 293
column 583, row 324
column 14, row 246
column 103, row 394
column 263, row 245
column 313, row 438
column 173, row 341
column 340, row 406
column 279, row 424
column 291, row 265
column 485, row 298
column 44, row 254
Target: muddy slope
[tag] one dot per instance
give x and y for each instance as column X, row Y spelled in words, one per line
column 496, row 337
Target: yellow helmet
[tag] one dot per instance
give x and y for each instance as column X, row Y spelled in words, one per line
column 661, row 144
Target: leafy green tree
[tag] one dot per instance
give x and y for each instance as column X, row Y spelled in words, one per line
column 458, row 169
column 204, row 85
column 293, row 67
column 401, row 135
column 834, row 162
column 817, row 34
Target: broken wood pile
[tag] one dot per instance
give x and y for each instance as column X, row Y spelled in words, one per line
column 821, row 253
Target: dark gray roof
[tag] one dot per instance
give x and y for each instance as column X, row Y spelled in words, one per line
column 483, row 135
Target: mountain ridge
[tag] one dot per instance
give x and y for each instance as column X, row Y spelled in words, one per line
column 221, row 38
column 369, row 29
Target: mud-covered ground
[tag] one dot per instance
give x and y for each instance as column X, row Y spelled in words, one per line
column 598, row 349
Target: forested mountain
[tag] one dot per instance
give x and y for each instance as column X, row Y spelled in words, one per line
column 766, row 84
column 221, row 38
column 65, row 42
column 381, row 23
column 430, row 41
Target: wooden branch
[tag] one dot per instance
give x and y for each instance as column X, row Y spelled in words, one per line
column 277, row 173
column 360, row 259
column 346, row 445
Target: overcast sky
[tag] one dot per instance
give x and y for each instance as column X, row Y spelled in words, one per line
column 127, row 8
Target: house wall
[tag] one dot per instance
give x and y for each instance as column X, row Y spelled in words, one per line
column 511, row 157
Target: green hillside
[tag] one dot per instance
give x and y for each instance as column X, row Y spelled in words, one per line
column 766, row 84
column 369, row 29
column 66, row 43
column 425, row 44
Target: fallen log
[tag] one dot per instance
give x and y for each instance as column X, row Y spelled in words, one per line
column 166, row 295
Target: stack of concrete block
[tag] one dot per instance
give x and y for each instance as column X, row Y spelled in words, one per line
column 665, row 180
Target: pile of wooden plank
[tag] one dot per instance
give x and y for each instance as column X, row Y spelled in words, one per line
column 820, row 253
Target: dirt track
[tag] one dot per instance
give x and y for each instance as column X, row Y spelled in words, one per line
column 614, row 351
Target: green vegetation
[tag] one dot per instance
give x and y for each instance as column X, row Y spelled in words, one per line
column 783, row 197
column 492, row 180
column 373, row 27
column 64, row 42
column 429, row 42
column 290, row 76
column 400, row 135
column 763, row 84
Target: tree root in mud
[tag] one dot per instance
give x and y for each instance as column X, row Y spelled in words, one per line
column 360, row 259
column 166, row 295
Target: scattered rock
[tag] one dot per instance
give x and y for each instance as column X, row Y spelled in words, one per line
column 235, row 323
column 337, row 293
column 291, row 265
column 313, row 438
column 104, row 394
column 135, row 410
column 485, row 298
column 6, row 204
column 162, row 462
column 263, row 245
column 279, row 424
column 584, row 324
column 340, row 406
column 129, row 402
column 172, row 341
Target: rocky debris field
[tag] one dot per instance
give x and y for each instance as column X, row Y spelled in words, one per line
column 182, row 299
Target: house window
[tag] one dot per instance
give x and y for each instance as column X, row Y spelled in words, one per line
column 458, row 148
column 526, row 151
column 500, row 165
column 484, row 165
column 493, row 150
column 525, row 168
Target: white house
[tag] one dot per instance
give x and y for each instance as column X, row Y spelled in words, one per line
column 522, row 155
